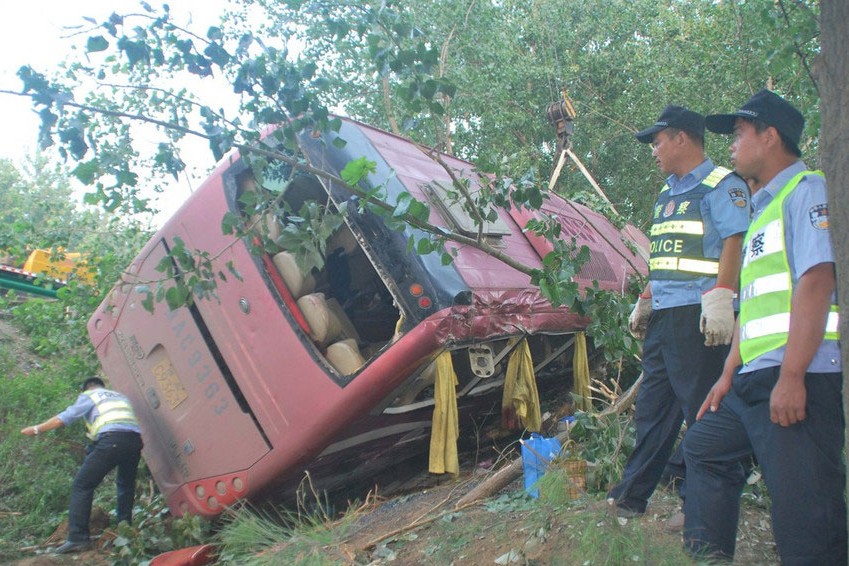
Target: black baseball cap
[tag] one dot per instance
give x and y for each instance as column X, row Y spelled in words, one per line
column 767, row 107
column 94, row 380
column 674, row 117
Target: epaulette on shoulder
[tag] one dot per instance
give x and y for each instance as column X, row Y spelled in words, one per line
column 715, row 176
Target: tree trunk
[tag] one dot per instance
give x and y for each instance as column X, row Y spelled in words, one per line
column 833, row 76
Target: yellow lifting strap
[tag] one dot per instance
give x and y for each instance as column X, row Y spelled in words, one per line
column 520, row 387
column 581, row 373
column 446, row 427
column 398, row 326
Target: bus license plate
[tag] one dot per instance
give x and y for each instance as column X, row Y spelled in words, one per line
column 169, row 383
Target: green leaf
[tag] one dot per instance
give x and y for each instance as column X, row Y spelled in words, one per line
column 404, row 201
column 232, row 269
column 419, row 210
column 96, row 43
column 147, row 302
column 73, row 138
column 230, row 220
column 308, row 71
column 217, row 54
column 176, row 296
column 136, row 51
column 424, row 247
column 357, row 169
column 87, row 171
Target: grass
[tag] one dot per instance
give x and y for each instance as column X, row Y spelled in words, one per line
column 256, row 538
column 608, row 541
column 35, row 473
column 536, row 532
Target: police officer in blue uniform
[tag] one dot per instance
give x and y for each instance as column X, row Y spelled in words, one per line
column 686, row 312
column 779, row 394
column 116, row 443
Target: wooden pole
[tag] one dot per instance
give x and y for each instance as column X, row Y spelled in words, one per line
column 589, row 177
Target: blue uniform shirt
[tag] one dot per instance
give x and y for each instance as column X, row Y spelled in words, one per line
column 85, row 407
column 808, row 244
column 724, row 213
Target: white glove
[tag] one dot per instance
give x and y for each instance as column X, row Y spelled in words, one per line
column 717, row 320
column 640, row 318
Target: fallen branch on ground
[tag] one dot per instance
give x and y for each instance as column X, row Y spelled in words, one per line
column 499, row 479
column 625, row 400
column 414, row 525
column 511, row 471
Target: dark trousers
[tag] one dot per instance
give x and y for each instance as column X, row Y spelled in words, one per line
column 679, row 371
column 802, row 467
column 120, row 450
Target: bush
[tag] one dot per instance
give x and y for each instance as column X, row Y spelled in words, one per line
column 155, row 531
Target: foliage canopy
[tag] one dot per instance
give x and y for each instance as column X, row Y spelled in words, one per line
column 471, row 79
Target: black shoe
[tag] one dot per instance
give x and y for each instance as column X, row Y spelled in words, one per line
column 622, row 511
column 626, row 513
column 72, row 547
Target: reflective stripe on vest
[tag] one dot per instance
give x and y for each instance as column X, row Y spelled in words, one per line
column 766, row 284
column 681, row 226
column 677, row 244
column 112, row 408
column 705, row 267
column 780, row 323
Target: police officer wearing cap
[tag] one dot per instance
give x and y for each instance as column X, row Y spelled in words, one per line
column 686, row 312
column 116, row 443
column 779, row 394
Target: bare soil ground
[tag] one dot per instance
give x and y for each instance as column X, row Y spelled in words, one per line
column 506, row 529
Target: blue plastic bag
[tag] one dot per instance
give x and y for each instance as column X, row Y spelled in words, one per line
column 537, row 452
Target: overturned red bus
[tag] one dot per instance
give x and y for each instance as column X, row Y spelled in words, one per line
column 331, row 371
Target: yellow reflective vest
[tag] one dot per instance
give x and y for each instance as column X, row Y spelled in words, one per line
column 766, row 285
column 110, row 408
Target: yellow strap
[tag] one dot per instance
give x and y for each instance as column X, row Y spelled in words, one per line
column 446, row 428
column 398, row 326
column 520, row 388
column 581, row 373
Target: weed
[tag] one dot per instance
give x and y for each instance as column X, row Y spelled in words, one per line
column 557, row 488
column 254, row 538
column 605, row 442
column 597, row 538
column 155, row 532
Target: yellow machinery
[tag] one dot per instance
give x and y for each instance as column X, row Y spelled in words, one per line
column 59, row 265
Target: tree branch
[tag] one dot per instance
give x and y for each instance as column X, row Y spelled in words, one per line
column 802, row 57
column 387, row 103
